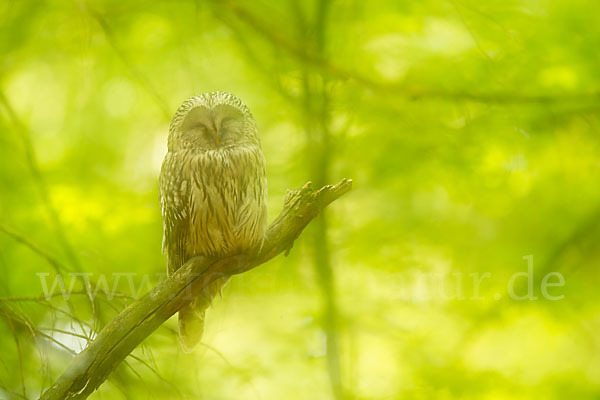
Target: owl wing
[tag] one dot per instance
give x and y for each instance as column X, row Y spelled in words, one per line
column 174, row 202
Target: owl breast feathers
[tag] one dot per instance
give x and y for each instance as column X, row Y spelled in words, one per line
column 213, row 191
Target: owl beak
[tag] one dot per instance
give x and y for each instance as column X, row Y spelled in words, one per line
column 215, row 131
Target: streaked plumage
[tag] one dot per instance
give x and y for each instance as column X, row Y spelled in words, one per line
column 213, row 191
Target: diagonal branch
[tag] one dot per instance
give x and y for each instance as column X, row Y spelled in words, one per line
column 90, row 368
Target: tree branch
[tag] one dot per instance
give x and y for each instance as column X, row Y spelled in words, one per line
column 90, row 368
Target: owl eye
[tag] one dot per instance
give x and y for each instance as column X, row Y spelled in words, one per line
column 226, row 121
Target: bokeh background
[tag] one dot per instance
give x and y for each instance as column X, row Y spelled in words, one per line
column 470, row 129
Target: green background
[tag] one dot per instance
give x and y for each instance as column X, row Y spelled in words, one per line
column 470, row 129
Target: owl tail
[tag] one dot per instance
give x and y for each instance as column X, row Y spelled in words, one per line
column 191, row 316
column 191, row 327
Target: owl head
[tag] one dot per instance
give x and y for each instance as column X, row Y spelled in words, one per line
column 212, row 121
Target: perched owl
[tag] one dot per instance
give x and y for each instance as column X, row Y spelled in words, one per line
column 213, row 192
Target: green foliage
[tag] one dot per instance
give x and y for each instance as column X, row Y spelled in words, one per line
column 469, row 128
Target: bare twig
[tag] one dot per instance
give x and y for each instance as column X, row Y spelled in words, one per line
column 20, row 355
column 17, row 320
column 44, row 297
column 57, row 265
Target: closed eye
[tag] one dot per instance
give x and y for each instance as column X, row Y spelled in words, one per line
column 226, row 121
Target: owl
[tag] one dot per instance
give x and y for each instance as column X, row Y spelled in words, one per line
column 213, row 192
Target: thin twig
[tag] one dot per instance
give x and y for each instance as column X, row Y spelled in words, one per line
column 45, row 297
column 57, row 265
